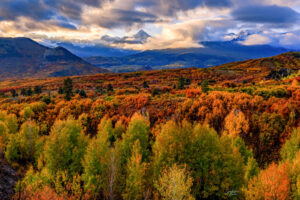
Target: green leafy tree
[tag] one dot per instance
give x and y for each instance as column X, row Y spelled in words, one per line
column 12, row 152
column 106, row 128
column 291, row 146
column 12, row 123
column 28, row 138
column 119, row 130
column 65, row 147
column 252, row 168
column 22, row 147
column 172, row 145
column 4, row 132
column 138, row 129
column 175, row 184
column 96, row 162
column 68, row 88
column 219, row 168
column 215, row 167
column 10, row 120
column 135, row 174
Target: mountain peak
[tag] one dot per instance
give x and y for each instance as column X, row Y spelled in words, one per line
column 141, row 36
column 242, row 35
column 138, row 38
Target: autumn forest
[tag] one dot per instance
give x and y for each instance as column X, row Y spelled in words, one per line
column 226, row 132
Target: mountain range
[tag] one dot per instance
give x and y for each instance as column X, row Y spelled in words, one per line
column 23, row 57
column 211, row 54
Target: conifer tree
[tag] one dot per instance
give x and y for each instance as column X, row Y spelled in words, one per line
column 23, row 92
column 37, row 89
column 110, row 88
column 68, row 89
column 204, row 86
column 14, row 93
column 82, row 93
column 29, row 92
column 60, row 90
column 181, row 83
column 145, row 84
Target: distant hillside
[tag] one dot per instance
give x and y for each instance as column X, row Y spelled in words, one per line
column 248, row 71
column 275, row 67
column 22, row 57
column 290, row 60
column 96, row 50
column 211, row 54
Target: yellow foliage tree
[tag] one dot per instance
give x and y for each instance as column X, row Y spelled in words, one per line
column 175, row 184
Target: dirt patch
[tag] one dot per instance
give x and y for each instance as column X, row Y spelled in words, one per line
column 8, row 179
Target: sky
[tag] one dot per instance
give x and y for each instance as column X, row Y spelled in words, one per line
column 171, row 23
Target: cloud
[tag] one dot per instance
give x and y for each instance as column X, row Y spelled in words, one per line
column 45, row 9
column 289, row 3
column 112, row 18
column 290, row 40
column 138, row 38
column 171, row 7
column 172, row 23
column 10, row 10
column 266, row 14
column 182, row 35
column 256, row 39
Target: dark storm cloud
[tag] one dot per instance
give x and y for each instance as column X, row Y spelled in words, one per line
column 266, row 14
column 73, row 8
column 10, row 10
column 171, row 7
column 217, row 3
column 118, row 17
column 66, row 25
column 44, row 9
column 40, row 10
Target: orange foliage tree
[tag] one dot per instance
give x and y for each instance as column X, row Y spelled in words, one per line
column 271, row 183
